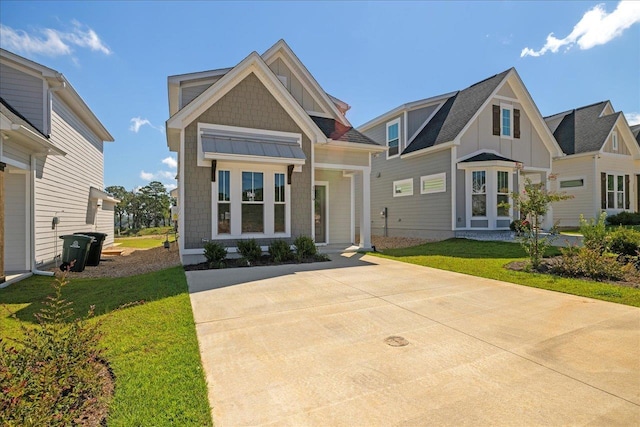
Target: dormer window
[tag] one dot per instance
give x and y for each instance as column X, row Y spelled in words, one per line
column 506, row 121
column 393, row 138
column 505, row 129
column 614, row 141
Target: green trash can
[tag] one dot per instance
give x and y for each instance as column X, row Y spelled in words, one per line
column 95, row 251
column 75, row 249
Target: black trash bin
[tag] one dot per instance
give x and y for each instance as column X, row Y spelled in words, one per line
column 93, row 259
column 75, row 249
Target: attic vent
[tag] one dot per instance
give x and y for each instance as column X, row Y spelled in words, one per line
column 283, row 79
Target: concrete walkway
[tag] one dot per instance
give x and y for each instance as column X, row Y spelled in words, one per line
column 305, row 345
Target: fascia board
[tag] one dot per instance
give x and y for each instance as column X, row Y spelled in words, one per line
column 428, row 150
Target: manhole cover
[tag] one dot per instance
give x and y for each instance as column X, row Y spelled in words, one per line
column 395, row 341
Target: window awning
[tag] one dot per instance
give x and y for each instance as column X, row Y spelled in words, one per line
column 216, row 147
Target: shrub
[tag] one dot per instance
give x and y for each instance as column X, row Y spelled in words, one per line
column 520, row 226
column 305, row 247
column 280, row 251
column 594, row 233
column 624, row 241
column 589, row 262
column 624, row 218
column 52, row 377
column 249, row 249
column 215, row 253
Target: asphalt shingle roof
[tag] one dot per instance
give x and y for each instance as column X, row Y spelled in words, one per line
column 582, row 130
column 335, row 130
column 454, row 115
column 636, row 132
column 487, row 157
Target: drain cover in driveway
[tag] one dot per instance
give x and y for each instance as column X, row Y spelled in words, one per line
column 396, row 341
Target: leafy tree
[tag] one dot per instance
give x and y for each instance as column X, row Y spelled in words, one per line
column 534, row 203
column 122, row 194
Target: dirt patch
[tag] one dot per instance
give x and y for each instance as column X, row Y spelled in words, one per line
column 381, row 242
column 132, row 262
column 96, row 414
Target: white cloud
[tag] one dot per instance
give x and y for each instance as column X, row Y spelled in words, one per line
column 50, row 42
column 170, row 187
column 138, row 122
column 157, row 176
column 633, row 118
column 171, row 162
column 595, row 28
column 147, row 176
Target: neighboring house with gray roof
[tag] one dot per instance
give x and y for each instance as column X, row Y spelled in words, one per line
column 264, row 152
column 51, row 165
column 453, row 158
column 601, row 166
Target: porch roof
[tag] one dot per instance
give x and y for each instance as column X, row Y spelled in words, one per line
column 487, row 157
column 214, row 146
column 336, row 131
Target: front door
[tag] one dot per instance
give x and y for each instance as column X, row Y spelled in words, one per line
column 320, row 213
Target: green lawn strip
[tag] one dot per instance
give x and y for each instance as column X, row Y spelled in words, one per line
column 576, row 231
column 143, row 242
column 151, row 347
column 487, row 259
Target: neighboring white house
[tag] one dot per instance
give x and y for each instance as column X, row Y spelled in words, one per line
column 601, row 169
column 52, row 165
column 454, row 158
column 264, row 152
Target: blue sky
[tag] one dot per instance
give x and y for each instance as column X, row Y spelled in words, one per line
column 375, row 56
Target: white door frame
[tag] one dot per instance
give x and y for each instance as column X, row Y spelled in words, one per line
column 324, row 184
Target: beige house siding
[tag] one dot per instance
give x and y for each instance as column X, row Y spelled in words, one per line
column 16, row 152
column 16, row 254
column 294, row 87
column 250, row 105
column 62, row 185
column 622, row 146
column 189, row 93
column 528, row 149
column 339, row 204
column 340, row 156
column 619, row 165
column 586, row 200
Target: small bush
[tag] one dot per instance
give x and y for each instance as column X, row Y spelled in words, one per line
column 589, row 262
column 249, row 249
column 594, row 233
column 52, row 377
column 280, row 251
column 624, row 218
column 520, row 226
column 305, row 247
column 624, row 241
column 215, row 253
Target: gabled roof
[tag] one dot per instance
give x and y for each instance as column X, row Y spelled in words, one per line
column 487, row 157
column 635, row 129
column 456, row 113
column 66, row 92
column 583, row 129
column 336, row 131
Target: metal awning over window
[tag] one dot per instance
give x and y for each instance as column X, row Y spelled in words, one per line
column 217, row 147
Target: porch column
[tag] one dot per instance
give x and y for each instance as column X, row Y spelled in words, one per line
column 365, row 214
column 2, row 274
column 547, row 222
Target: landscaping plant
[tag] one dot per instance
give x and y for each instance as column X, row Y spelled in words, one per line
column 624, row 241
column 249, row 250
column 52, row 376
column 533, row 204
column 624, row 218
column 594, row 233
column 215, row 254
column 305, row 247
column 280, row 251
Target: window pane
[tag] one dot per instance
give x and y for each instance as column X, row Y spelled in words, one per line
column 571, row 183
column 393, row 148
column 620, row 201
column 503, row 182
column 620, row 183
column 224, row 218
column 252, row 190
column 610, row 200
column 610, row 182
column 392, row 132
column 479, row 205
column 502, row 210
column 279, row 187
column 223, row 186
column 279, row 218
column 478, row 182
column 252, row 218
column 506, row 122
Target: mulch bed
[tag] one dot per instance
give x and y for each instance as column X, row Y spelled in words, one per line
column 547, row 267
column 96, row 414
column 240, row 262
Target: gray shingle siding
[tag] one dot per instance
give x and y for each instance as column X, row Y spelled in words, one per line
column 249, row 104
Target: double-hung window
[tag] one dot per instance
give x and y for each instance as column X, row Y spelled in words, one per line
column 503, row 193
column 279, row 204
column 252, row 202
column 479, row 193
column 505, row 121
column 615, row 192
column 224, row 202
column 393, row 138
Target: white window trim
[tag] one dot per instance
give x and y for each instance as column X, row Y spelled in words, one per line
column 615, row 191
column 236, row 170
column 510, row 108
column 438, row 176
column 572, row 178
column 386, row 136
column 491, row 191
column 400, row 182
column 614, row 141
column 486, row 194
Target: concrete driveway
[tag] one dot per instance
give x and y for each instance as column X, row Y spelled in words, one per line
column 305, row 345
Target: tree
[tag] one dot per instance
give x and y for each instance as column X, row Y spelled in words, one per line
column 156, row 203
column 120, row 209
column 534, row 203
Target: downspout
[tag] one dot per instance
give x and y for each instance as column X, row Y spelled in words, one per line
column 32, row 185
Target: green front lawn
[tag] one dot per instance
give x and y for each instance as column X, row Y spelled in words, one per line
column 487, row 259
column 576, row 231
column 151, row 345
column 144, row 242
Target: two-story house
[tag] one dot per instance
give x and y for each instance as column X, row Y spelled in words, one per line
column 453, row 159
column 51, row 167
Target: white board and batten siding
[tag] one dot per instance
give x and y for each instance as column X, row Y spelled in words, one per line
column 16, row 254
column 25, row 93
column 63, row 182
